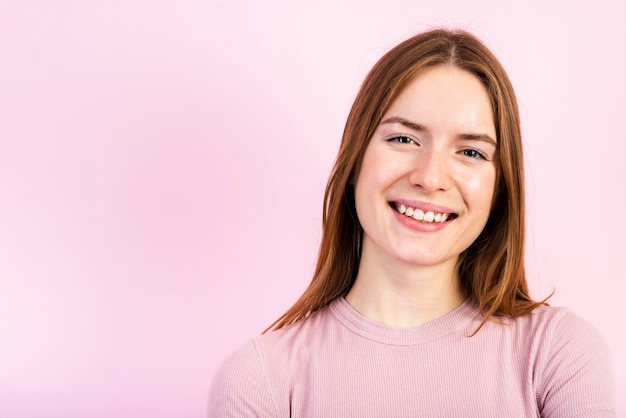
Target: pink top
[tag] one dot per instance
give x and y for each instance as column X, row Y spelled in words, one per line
column 338, row 363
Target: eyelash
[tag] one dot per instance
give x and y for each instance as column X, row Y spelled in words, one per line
column 406, row 140
column 402, row 139
column 476, row 154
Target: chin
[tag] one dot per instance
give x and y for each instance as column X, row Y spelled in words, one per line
column 422, row 260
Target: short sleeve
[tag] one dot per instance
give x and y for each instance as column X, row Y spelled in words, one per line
column 240, row 387
column 577, row 376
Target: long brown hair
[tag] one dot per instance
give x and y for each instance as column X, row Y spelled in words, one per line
column 492, row 267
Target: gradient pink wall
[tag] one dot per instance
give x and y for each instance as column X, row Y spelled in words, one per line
column 162, row 166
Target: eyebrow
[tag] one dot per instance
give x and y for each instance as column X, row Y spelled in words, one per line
column 421, row 128
column 405, row 122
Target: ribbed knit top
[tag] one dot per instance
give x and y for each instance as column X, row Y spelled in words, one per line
column 375, row 331
column 338, row 363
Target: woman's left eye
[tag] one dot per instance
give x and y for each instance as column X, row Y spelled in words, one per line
column 472, row 153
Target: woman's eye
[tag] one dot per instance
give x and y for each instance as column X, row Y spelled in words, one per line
column 472, row 153
column 401, row 139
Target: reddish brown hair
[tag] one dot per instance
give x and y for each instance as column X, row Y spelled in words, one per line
column 492, row 268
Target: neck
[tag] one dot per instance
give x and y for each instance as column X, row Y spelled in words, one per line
column 402, row 295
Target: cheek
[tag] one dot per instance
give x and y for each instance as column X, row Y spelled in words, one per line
column 372, row 182
column 371, row 174
column 382, row 169
column 479, row 190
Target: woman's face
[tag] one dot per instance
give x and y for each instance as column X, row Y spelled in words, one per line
column 427, row 179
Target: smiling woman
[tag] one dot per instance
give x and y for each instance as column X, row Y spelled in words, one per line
column 419, row 305
column 434, row 172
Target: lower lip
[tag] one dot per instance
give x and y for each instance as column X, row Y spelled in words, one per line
column 420, row 226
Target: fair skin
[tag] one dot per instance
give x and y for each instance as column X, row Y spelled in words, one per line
column 423, row 195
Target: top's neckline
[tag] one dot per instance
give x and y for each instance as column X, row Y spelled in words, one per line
column 386, row 334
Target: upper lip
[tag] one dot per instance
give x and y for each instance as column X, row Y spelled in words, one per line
column 425, row 206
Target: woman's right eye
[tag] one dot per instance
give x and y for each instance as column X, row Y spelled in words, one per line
column 401, row 139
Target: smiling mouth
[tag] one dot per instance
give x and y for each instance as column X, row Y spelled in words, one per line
column 419, row 215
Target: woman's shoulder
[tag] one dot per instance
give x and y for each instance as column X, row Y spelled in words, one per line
column 239, row 386
column 560, row 325
column 573, row 362
column 251, row 380
column 277, row 341
column 558, row 332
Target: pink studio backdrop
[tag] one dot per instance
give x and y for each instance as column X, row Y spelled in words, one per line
column 162, row 166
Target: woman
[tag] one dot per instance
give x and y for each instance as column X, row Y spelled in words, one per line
column 419, row 304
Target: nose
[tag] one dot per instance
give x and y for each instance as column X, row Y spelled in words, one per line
column 431, row 172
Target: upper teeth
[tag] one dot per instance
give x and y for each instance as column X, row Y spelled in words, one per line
column 420, row 215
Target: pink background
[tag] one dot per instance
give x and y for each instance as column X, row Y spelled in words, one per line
column 162, row 166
